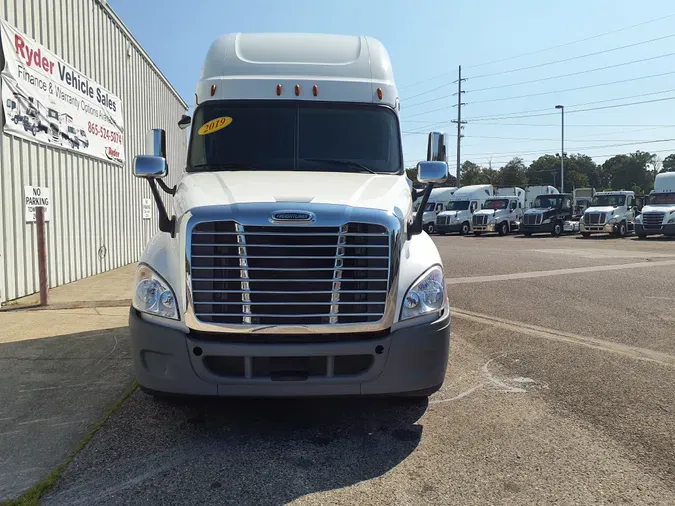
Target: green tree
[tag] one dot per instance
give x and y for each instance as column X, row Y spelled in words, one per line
column 513, row 173
column 471, row 174
column 627, row 171
column 544, row 170
column 668, row 164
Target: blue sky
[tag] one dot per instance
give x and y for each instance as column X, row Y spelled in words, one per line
column 428, row 39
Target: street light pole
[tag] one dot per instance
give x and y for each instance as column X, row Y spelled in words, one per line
column 562, row 146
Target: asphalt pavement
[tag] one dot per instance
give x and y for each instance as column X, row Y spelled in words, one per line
column 560, row 390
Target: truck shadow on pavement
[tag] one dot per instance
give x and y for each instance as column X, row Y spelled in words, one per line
column 236, row 451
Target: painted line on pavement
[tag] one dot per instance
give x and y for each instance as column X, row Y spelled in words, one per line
column 633, row 352
column 555, row 272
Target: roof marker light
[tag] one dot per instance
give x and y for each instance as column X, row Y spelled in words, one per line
column 279, row 88
column 379, row 93
column 297, row 90
column 315, row 90
column 213, row 89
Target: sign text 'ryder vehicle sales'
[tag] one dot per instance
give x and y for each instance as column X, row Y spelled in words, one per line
column 48, row 101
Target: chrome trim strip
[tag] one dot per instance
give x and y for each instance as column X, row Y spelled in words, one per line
column 327, row 215
column 337, row 276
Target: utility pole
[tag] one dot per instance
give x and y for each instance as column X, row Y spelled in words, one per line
column 562, row 145
column 459, row 121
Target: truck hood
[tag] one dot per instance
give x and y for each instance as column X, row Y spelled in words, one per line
column 488, row 212
column 601, row 209
column 663, row 208
column 539, row 210
column 374, row 191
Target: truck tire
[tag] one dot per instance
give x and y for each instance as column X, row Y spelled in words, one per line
column 503, row 228
column 557, row 229
column 464, row 229
column 622, row 230
column 429, row 228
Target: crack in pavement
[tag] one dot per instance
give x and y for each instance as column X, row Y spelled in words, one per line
column 633, row 352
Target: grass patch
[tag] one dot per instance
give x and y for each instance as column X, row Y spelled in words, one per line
column 33, row 495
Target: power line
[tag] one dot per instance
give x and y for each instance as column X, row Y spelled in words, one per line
column 584, row 147
column 578, row 110
column 575, row 89
column 550, row 78
column 490, row 160
column 576, row 105
column 570, row 43
column 642, row 60
column 540, row 50
column 501, row 99
column 604, row 51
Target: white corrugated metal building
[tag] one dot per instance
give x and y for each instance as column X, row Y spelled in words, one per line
column 96, row 205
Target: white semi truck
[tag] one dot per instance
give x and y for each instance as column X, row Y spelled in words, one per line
column 658, row 215
column 291, row 264
column 460, row 208
column 502, row 213
column 611, row 212
column 437, row 200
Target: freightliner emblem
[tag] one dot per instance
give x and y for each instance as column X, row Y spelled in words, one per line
column 295, row 216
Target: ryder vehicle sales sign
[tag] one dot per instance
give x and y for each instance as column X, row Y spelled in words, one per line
column 48, row 101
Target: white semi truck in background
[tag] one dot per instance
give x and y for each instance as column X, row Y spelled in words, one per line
column 502, row 213
column 437, row 200
column 291, row 264
column 463, row 203
column 611, row 212
column 658, row 215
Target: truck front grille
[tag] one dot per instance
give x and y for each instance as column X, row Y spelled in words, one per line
column 289, row 275
column 532, row 219
column 594, row 218
column 652, row 220
column 479, row 220
column 441, row 220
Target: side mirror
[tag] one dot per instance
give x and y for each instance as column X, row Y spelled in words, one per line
column 150, row 167
column 184, row 122
column 437, row 148
column 432, row 172
column 155, row 142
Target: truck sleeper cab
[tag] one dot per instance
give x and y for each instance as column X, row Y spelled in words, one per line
column 611, row 212
column 548, row 214
column 292, row 265
column 460, row 208
column 499, row 214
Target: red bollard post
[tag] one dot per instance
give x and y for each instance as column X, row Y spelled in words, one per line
column 42, row 253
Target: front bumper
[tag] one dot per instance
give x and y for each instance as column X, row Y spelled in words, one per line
column 484, row 228
column 668, row 229
column 607, row 228
column 408, row 360
column 449, row 228
column 536, row 229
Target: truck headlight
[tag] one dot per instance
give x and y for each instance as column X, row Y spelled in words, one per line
column 426, row 295
column 638, row 218
column 671, row 220
column 152, row 294
column 492, row 221
column 546, row 221
column 613, row 219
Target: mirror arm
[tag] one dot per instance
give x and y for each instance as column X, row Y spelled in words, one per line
column 416, row 227
column 165, row 224
column 167, row 189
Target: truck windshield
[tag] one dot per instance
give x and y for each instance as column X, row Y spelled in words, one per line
column 544, row 202
column 257, row 135
column 496, row 204
column 608, row 200
column 661, row 198
column 457, row 205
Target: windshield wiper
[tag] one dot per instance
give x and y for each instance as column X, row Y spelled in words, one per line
column 348, row 163
column 225, row 166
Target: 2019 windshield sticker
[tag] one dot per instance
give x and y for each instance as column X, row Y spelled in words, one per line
column 214, row 125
